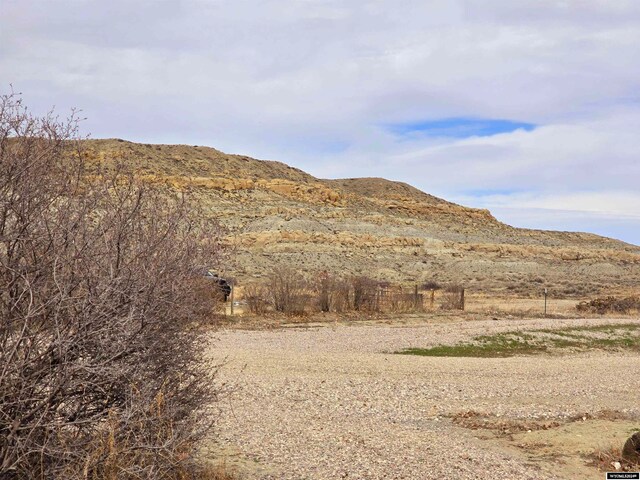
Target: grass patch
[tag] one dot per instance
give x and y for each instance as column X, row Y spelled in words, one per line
column 501, row 345
column 601, row 337
column 616, row 328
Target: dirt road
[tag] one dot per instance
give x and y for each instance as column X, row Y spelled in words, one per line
column 333, row 402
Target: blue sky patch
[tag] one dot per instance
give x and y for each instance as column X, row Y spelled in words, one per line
column 460, row 127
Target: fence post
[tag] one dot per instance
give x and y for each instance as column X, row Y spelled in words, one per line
column 462, row 299
column 433, row 298
column 233, row 289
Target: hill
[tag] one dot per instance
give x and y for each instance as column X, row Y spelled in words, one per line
column 277, row 215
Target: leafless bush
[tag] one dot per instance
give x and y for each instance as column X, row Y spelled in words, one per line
column 331, row 293
column 365, row 294
column 324, row 291
column 453, row 298
column 287, row 291
column 101, row 375
column 431, row 285
column 400, row 302
column 256, row 297
column 609, row 305
column 341, row 298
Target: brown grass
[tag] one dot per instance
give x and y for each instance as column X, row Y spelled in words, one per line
column 221, row 471
column 605, row 458
column 123, row 450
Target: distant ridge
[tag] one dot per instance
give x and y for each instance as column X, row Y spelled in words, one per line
column 277, row 215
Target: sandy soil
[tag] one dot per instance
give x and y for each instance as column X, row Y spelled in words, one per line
column 332, row 402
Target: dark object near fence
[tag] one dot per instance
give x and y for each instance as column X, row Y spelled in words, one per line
column 223, row 286
column 631, row 449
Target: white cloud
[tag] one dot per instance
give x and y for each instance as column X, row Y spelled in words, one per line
column 614, row 226
column 610, row 213
column 595, row 154
column 623, row 204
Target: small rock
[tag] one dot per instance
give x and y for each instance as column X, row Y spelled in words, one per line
column 616, row 465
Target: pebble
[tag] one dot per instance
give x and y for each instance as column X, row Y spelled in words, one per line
column 325, row 403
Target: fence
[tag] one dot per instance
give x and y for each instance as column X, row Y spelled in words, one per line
column 357, row 294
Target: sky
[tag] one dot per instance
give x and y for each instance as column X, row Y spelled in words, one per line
column 529, row 108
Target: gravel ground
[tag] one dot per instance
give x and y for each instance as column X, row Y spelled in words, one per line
column 332, row 402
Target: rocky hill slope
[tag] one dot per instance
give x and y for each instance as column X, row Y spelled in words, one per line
column 277, row 215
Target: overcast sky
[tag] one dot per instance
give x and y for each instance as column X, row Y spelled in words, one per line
column 530, row 108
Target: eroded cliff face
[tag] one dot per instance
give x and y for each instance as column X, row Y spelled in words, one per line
column 277, row 215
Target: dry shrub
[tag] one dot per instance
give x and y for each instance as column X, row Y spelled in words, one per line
column 605, row 458
column 102, row 374
column 126, row 447
column 256, row 297
column 287, row 291
column 431, row 285
column 365, row 294
column 331, row 293
column 341, row 298
column 399, row 302
column 610, row 305
column 123, row 447
column 208, row 299
column 453, row 298
column 324, row 290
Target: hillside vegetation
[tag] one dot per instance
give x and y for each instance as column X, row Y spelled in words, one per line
column 277, row 215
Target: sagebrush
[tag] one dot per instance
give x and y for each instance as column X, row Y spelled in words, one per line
column 101, row 370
